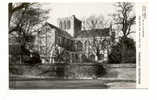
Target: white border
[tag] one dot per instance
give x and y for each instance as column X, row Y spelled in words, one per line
column 129, row 94
column 141, row 46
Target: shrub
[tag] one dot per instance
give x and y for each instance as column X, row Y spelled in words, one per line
column 16, row 71
column 60, row 71
column 99, row 70
column 123, row 52
column 115, row 55
column 35, row 59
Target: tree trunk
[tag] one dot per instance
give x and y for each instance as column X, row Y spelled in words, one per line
column 123, row 50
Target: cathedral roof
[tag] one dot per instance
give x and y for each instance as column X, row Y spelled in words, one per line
column 93, row 33
column 60, row 31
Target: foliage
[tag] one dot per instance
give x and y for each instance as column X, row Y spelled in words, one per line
column 115, row 55
column 124, row 19
column 99, row 70
column 34, row 59
column 117, row 51
column 15, row 71
column 25, row 20
column 60, row 71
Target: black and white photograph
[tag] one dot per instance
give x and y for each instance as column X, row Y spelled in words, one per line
column 72, row 45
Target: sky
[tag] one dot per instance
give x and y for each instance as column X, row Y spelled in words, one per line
column 80, row 10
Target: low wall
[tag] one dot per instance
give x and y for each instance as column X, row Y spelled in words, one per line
column 121, row 71
column 77, row 71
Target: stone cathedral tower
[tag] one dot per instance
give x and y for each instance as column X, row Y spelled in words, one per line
column 72, row 25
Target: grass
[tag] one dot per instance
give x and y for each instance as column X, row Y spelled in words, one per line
column 69, row 84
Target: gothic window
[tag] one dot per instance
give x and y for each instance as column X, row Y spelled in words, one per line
column 60, row 25
column 63, row 39
column 72, row 45
column 64, row 24
column 105, row 43
column 68, row 24
column 59, row 40
column 65, row 42
column 92, row 57
column 86, row 45
column 79, row 46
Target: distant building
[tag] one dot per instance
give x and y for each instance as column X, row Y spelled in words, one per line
column 68, row 43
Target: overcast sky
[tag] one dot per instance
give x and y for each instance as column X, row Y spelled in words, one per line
column 80, row 10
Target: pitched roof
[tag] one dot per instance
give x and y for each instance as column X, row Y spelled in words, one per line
column 93, row 32
column 60, row 31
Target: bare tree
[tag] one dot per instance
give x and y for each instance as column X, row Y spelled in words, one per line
column 124, row 19
column 99, row 43
column 25, row 19
column 94, row 22
column 16, row 7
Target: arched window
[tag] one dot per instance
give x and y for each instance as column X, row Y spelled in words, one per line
column 105, row 43
column 87, row 44
column 72, row 45
column 60, row 25
column 79, row 46
column 64, row 24
column 68, row 24
column 59, row 40
column 92, row 57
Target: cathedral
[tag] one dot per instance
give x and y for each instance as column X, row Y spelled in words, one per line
column 68, row 43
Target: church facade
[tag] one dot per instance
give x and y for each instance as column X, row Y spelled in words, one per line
column 68, row 43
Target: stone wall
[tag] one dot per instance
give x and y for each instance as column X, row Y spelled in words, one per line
column 121, row 71
column 78, row 71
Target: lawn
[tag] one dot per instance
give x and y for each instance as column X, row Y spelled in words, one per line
column 70, row 84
